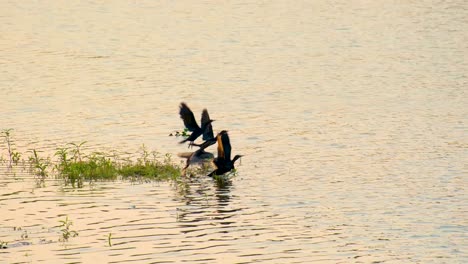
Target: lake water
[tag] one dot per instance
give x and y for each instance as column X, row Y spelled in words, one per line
column 352, row 117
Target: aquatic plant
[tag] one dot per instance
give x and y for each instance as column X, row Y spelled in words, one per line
column 150, row 168
column 66, row 230
column 109, row 239
column 184, row 133
column 76, row 167
column 6, row 134
column 95, row 167
column 15, row 157
column 77, row 150
column 3, row 244
column 62, row 154
column 25, row 234
column 38, row 165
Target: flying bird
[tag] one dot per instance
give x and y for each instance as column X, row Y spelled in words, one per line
column 196, row 157
column 191, row 124
column 223, row 161
column 209, row 141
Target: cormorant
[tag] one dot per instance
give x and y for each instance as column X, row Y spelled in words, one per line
column 223, row 161
column 198, row 156
column 189, row 121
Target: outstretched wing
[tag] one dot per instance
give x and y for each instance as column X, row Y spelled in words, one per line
column 208, row 133
column 187, row 115
column 220, row 146
column 206, row 125
column 226, row 145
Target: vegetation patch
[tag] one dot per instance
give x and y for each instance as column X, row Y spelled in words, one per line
column 76, row 167
column 66, row 231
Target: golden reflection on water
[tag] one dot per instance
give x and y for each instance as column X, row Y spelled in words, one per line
column 351, row 117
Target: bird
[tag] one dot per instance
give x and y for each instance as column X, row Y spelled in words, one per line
column 207, row 136
column 191, row 124
column 223, row 161
column 196, row 157
column 210, row 141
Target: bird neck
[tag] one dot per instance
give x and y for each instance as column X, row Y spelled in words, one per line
column 236, row 158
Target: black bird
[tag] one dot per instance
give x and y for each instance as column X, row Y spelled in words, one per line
column 207, row 136
column 209, row 141
column 189, row 121
column 223, row 161
column 196, row 157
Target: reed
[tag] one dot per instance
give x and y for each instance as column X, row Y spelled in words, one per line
column 13, row 156
column 109, row 239
column 39, row 165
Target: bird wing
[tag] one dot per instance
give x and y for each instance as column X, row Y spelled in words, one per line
column 220, row 146
column 192, row 136
column 206, row 125
column 226, row 146
column 206, row 144
column 187, row 115
column 208, row 132
column 185, row 155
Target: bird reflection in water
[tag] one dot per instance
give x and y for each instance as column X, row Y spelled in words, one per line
column 204, row 202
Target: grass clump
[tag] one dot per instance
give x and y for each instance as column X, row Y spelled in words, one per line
column 150, row 170
column 76, row 168
column 72, row 164
column 96, row 167
column 148, row 166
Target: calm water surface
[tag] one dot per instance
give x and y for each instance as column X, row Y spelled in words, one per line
column 352, row 118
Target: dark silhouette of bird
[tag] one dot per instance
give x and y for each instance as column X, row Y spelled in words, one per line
column 196, row 157
column 207, row 136
column 191, row 124
column 209, row 141
column 223, row 161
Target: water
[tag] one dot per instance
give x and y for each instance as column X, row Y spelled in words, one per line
column 351, row 116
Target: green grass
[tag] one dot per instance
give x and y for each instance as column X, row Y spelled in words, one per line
column 38, row 165
column 66, row 231
column 75, row 167
column 150, row 170
column 13, row 155
column 95, row 167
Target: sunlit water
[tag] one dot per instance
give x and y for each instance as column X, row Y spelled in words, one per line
column 352, row 118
